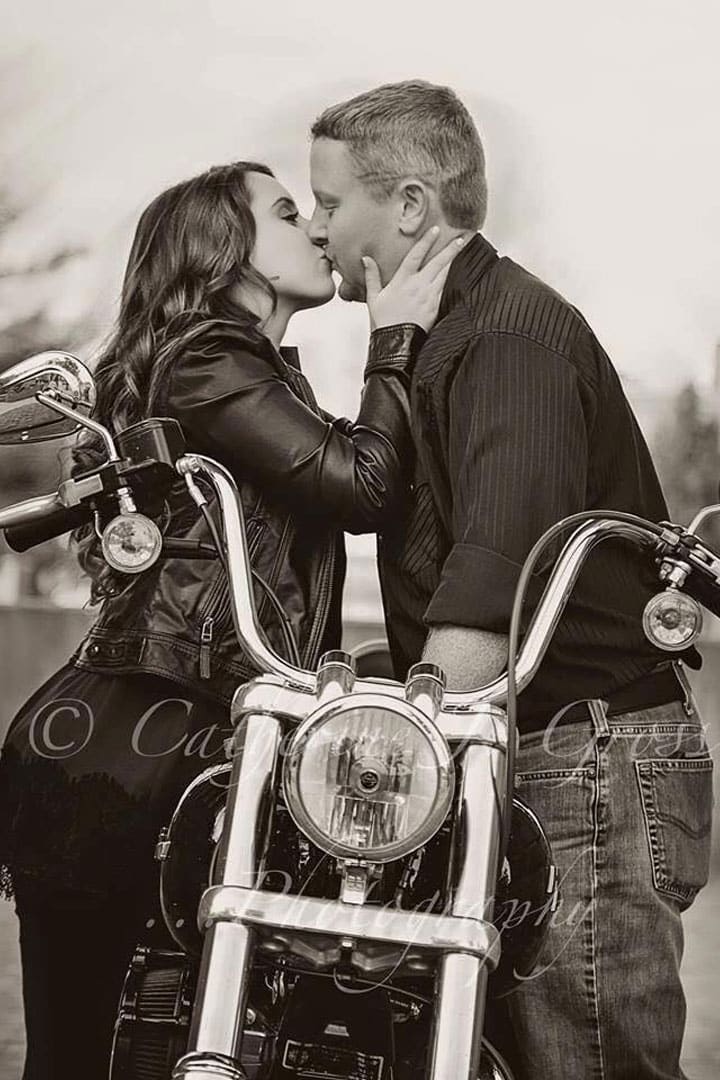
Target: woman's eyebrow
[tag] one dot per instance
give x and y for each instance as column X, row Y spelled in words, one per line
column 284, row 200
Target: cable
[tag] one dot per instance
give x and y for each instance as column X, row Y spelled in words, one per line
column 288, row 636
column 210, row 522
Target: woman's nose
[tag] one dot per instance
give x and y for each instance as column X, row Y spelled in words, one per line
column 306, row 226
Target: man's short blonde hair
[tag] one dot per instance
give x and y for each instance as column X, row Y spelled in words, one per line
column 413, row 128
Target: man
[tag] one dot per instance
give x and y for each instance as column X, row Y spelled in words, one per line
column 519, row 420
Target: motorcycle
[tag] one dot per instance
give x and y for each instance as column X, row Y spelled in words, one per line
column 340, row 897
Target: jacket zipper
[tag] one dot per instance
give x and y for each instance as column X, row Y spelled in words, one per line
column 211, row 622
column 206, row 636
column 321, row 608
column 213, row 592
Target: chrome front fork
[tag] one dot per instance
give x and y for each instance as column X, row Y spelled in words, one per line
column 462, row 981
column 218, row 1017
column 463, row 938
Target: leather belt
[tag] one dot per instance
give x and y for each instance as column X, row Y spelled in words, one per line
column 658, row 688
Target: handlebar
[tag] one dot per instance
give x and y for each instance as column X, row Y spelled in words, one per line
column 37, row 520
column 555, row 597
column 33, row 513
column 542, row 627
column 45, row 516
column 34, row 521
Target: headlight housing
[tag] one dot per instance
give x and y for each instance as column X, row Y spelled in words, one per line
column 672, row 620
column 368, row 778
column 131, row 543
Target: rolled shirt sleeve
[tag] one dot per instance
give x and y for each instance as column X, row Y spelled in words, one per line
column 517, row 459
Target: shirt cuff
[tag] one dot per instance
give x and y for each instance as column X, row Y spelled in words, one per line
column 394, row 348
column 477, row 588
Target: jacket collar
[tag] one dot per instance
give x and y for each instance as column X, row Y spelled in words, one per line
column 467, row 268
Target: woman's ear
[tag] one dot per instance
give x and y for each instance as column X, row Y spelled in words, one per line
column 416, row 199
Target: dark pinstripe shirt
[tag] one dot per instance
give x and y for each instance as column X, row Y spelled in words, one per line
column 519, row 419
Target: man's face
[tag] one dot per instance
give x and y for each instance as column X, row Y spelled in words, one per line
column 349, row 221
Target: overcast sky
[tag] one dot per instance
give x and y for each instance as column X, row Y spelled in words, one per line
column 600, row 124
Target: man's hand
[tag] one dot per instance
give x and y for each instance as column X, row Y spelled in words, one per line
column 469, row 657
column 413, row 293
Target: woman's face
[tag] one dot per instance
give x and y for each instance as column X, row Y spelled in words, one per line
column 284, row 253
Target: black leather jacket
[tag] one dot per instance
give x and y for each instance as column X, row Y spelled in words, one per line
column 303, row 478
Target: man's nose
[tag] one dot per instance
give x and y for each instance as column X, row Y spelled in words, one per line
column 317, row 229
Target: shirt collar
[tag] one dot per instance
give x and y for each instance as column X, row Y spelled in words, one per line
column 476, row 257
column 290, row 355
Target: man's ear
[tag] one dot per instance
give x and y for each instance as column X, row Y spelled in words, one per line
column 416, row 206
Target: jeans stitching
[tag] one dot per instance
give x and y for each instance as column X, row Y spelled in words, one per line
column 699, row 764
column 645, row 772
column 593, row 907
column 554, row 774
column 678, row 730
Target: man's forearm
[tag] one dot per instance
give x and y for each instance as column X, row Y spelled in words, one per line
column 469, row 657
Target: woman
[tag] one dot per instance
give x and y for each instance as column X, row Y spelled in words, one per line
column 96, row 759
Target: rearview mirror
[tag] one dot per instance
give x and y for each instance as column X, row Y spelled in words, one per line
column 50, row 372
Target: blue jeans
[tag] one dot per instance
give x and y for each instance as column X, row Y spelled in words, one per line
column 626, row 803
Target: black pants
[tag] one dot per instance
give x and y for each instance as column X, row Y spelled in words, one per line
column 75, row 952
column 84, row 824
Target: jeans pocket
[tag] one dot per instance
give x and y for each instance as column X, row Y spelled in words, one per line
column 677, row 803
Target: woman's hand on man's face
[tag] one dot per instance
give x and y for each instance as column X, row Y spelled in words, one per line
column 413, row 293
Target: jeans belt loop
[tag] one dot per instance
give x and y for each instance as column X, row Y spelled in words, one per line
column 688, row 698
column 598, row 714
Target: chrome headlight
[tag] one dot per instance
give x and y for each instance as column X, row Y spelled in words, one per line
column 367, row 778
column 131, row 543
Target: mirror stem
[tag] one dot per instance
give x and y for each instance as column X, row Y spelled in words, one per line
column 49, row 399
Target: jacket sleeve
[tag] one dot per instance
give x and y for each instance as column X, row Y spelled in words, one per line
column 238, row 409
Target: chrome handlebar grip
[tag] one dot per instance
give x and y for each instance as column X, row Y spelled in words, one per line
column 29, row 511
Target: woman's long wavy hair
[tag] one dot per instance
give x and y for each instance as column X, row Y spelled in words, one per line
column 191, row 251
